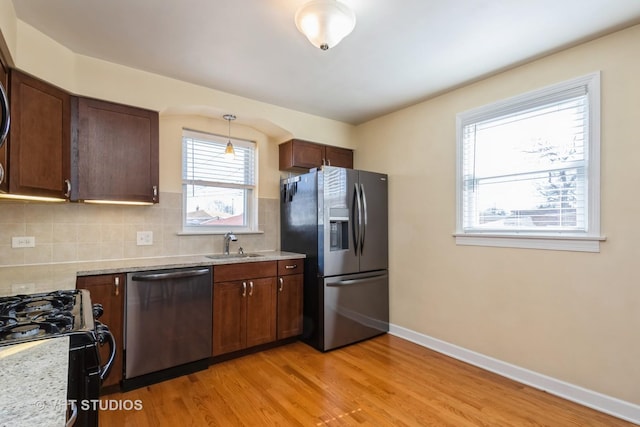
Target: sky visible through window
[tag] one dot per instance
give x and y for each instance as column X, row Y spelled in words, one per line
column 528, row 161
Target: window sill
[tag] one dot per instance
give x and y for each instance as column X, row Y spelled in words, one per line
column 216, row 233
column 555, row 243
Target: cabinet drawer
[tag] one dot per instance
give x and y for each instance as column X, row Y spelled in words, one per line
column 244, row 271
column 290, row 266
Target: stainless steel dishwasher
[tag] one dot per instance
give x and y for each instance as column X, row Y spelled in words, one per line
column 168, row 323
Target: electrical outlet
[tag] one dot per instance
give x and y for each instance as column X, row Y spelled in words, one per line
column 23, row 288
column 23, row 242
column 144, row 238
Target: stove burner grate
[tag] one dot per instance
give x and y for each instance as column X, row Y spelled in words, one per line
column 24, row 331
column 27, row 317
column 27, row 331
column 40, row 305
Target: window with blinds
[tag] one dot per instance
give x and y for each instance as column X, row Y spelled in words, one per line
column 529, row 166
column 218, row 192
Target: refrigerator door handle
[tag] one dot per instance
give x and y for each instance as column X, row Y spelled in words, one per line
column 363, row 224
column 356, row 218
column 353, row 281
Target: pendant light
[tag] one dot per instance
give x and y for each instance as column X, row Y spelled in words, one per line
column 229, row 153
column 325, row 22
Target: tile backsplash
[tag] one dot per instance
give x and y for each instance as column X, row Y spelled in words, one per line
column 76, row 232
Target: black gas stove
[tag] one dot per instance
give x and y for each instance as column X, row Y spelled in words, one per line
column 44, row 315
column 25, row 318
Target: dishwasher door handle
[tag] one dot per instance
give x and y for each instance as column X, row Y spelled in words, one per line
column 170, row 275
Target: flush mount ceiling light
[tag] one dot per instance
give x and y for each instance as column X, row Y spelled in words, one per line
column 325, row 22
column 229, row 153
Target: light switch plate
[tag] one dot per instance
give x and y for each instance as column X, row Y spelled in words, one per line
column 144, row 238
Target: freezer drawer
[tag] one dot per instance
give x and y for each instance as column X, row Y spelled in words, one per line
column 356, row 307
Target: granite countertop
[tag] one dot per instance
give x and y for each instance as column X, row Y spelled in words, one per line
column 141, row 264
column 57, row 276
column 34, row 383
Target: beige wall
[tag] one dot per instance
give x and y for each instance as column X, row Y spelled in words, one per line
column 76, row 232
column 572, row 316
column 41, row 56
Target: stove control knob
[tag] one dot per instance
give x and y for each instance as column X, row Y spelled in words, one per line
column 97, row 311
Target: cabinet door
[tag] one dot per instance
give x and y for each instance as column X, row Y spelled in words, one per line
column 340, row 157
column 261, row 311
column 298, row 155
column 307, row 155
column 108, row 290
column 229, row 317
column 39, row 138
column 117, row 152
column 290, row 305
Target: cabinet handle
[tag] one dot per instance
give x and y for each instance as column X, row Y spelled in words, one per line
column 244, row 289
column 116, row 284
column 155, row 192
column 250, row 288
column 291, row 267
column 1, row 173
column 281, row 280
column 67, row 185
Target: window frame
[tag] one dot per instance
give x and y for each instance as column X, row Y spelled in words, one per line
column 251, row 212
column 584, row 241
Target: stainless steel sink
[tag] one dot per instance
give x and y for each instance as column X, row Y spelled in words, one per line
column 234, row 256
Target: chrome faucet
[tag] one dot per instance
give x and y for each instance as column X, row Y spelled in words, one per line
column 227, row 239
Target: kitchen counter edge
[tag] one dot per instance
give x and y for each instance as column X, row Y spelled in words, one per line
column 164, row 263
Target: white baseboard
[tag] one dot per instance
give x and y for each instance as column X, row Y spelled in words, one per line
column 600, row 402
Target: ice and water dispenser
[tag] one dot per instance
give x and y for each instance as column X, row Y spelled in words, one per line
column 338, row 229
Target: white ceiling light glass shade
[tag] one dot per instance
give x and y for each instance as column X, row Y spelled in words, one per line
column 325, row 22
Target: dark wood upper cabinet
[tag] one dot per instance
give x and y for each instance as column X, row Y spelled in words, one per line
column 115, row 152
column 77, row 148
column 337, row 156
column 298, row 155
column 37, row 156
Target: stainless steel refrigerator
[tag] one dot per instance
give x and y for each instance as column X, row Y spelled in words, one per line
column 338, row 218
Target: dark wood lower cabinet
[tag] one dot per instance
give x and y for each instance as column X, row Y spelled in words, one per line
column 108, row 290
column 253, row 304
column 229, row 318
column 290, row 297
column 261, row 311
column 243, row 314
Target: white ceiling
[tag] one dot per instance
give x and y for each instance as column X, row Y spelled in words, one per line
column 401, row 52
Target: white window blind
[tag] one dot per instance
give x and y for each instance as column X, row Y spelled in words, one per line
column 204, row 162
column 527, row 166
column 218, row 192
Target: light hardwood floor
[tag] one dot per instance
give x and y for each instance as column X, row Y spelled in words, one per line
column 385, row 381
